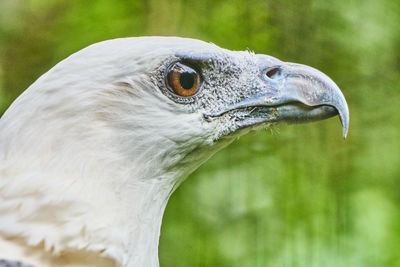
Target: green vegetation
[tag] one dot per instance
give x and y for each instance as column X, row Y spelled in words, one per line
column 289, row 196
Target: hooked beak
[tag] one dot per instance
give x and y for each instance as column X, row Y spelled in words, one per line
column 295, row 93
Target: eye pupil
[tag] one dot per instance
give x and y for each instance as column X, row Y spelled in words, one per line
column 187, row 80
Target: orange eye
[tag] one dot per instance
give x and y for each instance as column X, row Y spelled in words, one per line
column 183, row 80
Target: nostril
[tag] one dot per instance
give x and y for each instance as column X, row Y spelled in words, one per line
column 272, row 72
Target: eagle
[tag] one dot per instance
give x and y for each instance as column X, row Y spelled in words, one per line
column 91, row 152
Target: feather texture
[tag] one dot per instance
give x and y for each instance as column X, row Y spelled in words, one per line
column 90, row 155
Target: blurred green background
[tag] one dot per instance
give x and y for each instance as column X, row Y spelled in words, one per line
column 289, row 196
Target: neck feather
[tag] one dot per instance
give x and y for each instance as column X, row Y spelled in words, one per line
column 122, row 224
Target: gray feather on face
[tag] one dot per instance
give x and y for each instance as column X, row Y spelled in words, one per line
column 227, row 78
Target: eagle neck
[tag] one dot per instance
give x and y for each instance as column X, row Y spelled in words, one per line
column 144, row 203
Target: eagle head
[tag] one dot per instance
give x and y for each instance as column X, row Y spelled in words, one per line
column 91, row 152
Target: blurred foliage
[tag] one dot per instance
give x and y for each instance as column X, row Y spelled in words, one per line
column 289, row 196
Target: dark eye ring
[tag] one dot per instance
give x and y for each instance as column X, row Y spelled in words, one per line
column 183, row 80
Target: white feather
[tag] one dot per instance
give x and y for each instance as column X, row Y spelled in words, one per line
column 89, row 155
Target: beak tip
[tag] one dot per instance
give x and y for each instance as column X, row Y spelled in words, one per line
column 344, row 119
